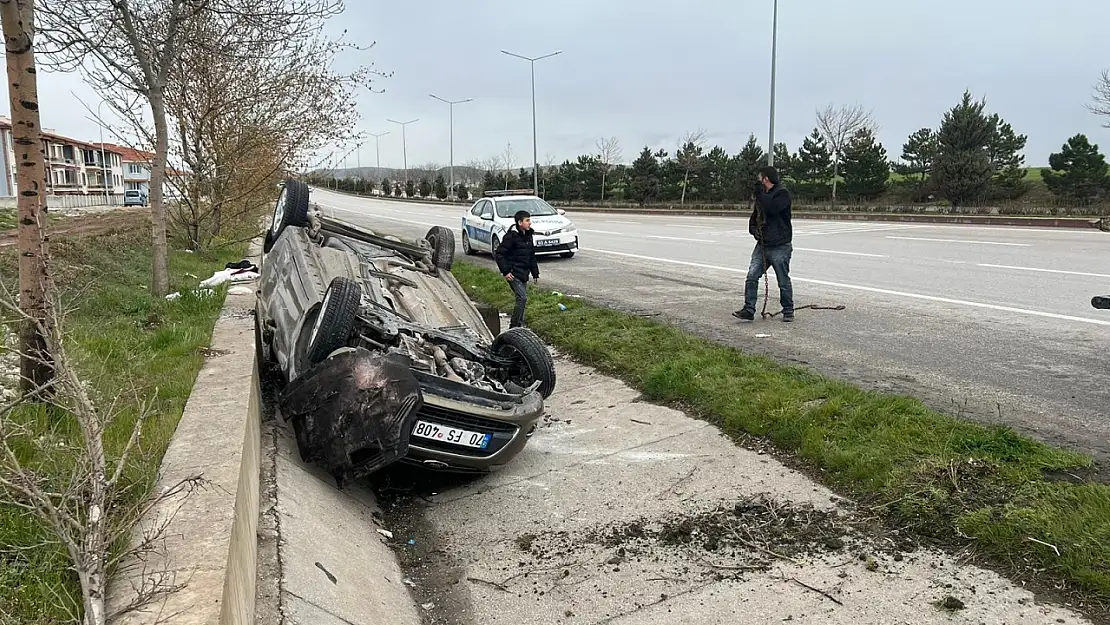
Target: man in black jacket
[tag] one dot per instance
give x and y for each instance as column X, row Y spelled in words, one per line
column 770, row 225
column 516, row 258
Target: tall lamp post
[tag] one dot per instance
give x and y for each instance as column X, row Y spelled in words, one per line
column 103, row 157
column 774, row 60
column 378, row 149
column 535, row 150
column 404, row 147
column 451, row 105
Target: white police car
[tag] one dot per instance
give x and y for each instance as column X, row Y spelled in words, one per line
column 484, row 225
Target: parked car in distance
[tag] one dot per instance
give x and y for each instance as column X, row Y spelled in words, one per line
column 485, row 223
column 134, row 197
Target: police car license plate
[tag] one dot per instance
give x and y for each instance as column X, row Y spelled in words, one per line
column 436, row 432
column 547, row 243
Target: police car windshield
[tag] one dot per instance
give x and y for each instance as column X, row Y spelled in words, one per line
column 534, row 205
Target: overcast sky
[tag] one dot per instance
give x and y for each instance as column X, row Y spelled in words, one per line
column 649, row 71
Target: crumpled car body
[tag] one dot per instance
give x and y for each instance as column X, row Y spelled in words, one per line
column 341, row 310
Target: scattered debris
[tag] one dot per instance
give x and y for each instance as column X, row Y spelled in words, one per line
column 951, row 604
column 640, row 422
column 811, row 588
column 331, row 578
column 240, row 290
column 388, row 534
column 763, row 336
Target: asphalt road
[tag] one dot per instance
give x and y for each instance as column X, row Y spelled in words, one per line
column 989, row 323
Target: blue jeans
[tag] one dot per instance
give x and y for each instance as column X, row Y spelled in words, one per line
column 520, row 291
column 777, row 258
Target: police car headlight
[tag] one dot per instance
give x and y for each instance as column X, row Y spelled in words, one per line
column 570, row 228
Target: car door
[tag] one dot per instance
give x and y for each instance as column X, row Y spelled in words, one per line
column 485, row 218
column 470, row 221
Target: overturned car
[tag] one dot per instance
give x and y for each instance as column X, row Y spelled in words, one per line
column 383, row 355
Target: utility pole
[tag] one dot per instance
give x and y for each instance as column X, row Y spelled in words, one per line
column 105, row 171
column 404, row 147
column 451, row 106
column 535, row 150
column 774, row 60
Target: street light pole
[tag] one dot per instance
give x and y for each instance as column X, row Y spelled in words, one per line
column 378, row 149
column 404, row 147
column 103, row 174
column 774, row 61
column 535, row 149
column 451, row 105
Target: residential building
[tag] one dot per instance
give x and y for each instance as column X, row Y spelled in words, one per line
column 73, row 167
column 136, row 171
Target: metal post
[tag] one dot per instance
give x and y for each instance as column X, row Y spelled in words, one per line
column 774, row 61
column 404, row 147
column 378, row 151
column 451, row 105
column 535, row 147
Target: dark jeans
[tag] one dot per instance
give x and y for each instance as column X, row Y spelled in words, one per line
column 777, row 258
column 520, row 290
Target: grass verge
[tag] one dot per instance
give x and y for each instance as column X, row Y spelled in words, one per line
column 143, row 351
column 949, row 480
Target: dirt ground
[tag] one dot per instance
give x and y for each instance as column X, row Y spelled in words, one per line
column 87, row 223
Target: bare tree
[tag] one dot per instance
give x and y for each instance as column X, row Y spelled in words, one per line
column 509, row 157
column 548, row 169
column 608, row 155
column 125, row 48
column 837, row 125
column 1101, row 104
column 690, row 156
column 18, row 17
column 78, row 487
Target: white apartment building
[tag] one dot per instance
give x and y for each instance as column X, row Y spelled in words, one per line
column 73, row 167
column 136, row 171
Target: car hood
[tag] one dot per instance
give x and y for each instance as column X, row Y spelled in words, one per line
column 546, row 224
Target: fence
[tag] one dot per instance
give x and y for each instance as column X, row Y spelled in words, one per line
column 63, row 202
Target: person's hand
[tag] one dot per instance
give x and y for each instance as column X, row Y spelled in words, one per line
column 509, row 276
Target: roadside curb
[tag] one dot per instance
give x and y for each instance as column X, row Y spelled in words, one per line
column 989, row 220
column 208, row 548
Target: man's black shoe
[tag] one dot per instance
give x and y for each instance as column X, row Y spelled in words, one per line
column 787, row 317
column 744, row 315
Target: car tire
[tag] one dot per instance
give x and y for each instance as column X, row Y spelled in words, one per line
column 534, row 354
column 467, row 249
column 261, row 351
column 493, row 245
column 567, row 255
column 290, row 209
column 335, row 319
column 443, row 247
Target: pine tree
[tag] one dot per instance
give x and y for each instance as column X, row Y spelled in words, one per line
column 812, row 167
column 489, row 182
column 440, row 187
column 425, row 188
column 462, row 192
column 410, row 189
column 1082, row 171
column 866, row 168
column 748, row 162
column 920, row 153
column 387, row 187
column 644, row 180
column 717, row 174
column 1007, row 161
column 963, row 169
column 784, row 161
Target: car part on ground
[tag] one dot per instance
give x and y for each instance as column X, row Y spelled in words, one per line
column 1101, row 302
column 329, row 287
column 352, row 414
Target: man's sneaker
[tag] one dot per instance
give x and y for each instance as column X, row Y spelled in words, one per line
column 744, row 315
column 787, row 317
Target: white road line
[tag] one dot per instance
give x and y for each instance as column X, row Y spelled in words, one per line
column 616, row 234
column 855, row 230
column 959, row 241
column 1070, row 273
column 407, row 221
column 809, row 249
column 856, row 287
column 659, row 236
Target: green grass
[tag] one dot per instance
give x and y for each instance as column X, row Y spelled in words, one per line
column 7, row 219
column 917, row 467
column 146, row 352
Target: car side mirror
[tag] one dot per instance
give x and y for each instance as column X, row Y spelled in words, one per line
column 487, row 217
column 560, row 211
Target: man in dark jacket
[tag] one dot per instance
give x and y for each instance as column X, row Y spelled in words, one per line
column 770, row 226
column 516, row 258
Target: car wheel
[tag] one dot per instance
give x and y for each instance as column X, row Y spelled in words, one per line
column 494, row 244
column 261, row 353
column 335, row 320
column 469, row 251
column 291, row 209
column 443, row 247
column 533, row 361
column 567, row 255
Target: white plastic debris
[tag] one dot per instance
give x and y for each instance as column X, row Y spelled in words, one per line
column 388, row 534
column 198, row 293
column 763, row 336
column 230, row 275
column 239, row 290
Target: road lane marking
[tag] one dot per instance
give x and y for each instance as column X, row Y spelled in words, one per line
column 809, row 249
column 1070, row 273
column 363, row 213
column 959, row 241
column 659, row 236
column 616, row 234
column 869, row 289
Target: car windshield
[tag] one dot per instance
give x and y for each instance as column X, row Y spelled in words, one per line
column 534, row 205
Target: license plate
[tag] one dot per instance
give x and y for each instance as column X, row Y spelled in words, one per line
column 466, row 438
column 547, row 243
